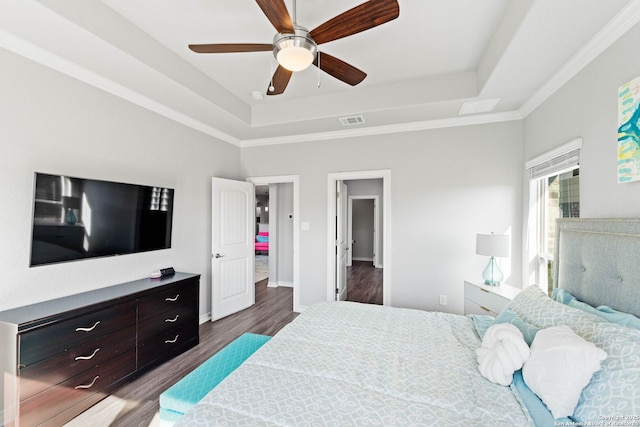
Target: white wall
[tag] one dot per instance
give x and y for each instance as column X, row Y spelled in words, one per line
column 52, row 123
column 446, row 186
column 587, row 107
column 285, row 234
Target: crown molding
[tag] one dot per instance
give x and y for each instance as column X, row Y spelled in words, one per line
column 616, row 28
column 44, row 57
column 387, row 129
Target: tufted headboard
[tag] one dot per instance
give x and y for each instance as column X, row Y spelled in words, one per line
column 599, row 261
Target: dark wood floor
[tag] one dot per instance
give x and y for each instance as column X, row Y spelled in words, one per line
column 272, row 311
column 364, row 283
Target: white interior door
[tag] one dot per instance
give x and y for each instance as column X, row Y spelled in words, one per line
column 232, row 247
column 342, row 244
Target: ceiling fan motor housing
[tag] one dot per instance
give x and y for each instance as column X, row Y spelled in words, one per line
column 295, row 51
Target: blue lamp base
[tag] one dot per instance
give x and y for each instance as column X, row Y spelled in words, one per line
column 492, row 274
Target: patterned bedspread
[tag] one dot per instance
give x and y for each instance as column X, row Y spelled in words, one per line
column 349, row 364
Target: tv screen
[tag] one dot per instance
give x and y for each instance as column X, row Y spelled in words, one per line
column 77, row 218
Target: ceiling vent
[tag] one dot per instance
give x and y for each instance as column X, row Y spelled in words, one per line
column 353, row 120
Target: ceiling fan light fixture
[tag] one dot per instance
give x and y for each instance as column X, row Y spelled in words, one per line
column 295, row 52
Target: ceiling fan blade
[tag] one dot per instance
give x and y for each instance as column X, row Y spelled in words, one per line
column 230, row 47
column 278, row 14
column 279, row 81
column 339, row 69
column 360, row 18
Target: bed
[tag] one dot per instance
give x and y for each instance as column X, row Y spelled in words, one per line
column 349, row 364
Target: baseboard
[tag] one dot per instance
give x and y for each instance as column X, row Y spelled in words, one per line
column 278, row 284
column 204, row 318
column 362, row 259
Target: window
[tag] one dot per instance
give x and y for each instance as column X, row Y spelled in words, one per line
column 554, row 192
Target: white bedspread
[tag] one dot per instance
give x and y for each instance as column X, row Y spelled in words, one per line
column 348, row 364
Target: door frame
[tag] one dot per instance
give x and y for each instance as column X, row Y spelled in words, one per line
column 332, row 178
column 295, row 180
column 376, row 226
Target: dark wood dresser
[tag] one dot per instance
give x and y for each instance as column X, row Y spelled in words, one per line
column 59, row 357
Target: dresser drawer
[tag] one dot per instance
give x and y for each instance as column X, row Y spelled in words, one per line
column 471, row 307
column 484, row 298
column 159, row 302
column 178, row 317
column 47, row 341
column 46, row 373
column 56, row 399
column 167, row 344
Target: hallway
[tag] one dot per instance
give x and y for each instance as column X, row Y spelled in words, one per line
column 364, row 283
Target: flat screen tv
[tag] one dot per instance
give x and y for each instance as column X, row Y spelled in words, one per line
column 79, row 218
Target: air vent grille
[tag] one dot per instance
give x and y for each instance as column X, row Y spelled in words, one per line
column 353, row 120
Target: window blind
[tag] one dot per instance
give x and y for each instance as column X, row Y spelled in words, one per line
column 554, row 162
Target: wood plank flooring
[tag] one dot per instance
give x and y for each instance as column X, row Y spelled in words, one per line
column 364, row 283
column 136, row 403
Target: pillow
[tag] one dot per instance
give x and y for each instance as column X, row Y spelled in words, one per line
column 503, row 351
column 262, row 239
column 615, row 389
column 536, row 308
column 537, row 410
column 508, row 316
column 561, row 364
column 481, row 322
column 603, row 311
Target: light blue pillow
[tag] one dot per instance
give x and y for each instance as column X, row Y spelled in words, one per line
column 537, row 409
column 262, row 239
column 528, row 330
column 482, row 323
column 607, row 313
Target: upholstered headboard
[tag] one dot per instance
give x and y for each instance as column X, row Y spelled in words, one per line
column 599, row 261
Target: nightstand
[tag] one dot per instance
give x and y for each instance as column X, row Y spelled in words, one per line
column 489, row 300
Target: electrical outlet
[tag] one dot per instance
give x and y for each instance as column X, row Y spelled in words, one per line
column 443, row 300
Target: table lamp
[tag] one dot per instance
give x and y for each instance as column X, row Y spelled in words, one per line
column 492, row 245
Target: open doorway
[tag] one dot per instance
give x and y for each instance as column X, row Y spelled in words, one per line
column 364, row 268
column 262, row 233
column 281, row 210
column 377, row 260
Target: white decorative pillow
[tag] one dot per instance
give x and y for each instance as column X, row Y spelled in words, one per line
column 561, row 364
column 503, row 351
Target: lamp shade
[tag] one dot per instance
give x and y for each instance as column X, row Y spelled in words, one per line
column 71, row 202
column 496, row 245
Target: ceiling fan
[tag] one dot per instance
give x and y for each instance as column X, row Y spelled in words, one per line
column 295, row 47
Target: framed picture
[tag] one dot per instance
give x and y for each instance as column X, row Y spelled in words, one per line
column 629, row 131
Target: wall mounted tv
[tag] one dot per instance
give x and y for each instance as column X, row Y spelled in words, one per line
column 77, row 218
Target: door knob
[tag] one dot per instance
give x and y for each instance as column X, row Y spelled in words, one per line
column 218, row 256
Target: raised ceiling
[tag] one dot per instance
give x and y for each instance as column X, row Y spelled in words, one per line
column 422, row 67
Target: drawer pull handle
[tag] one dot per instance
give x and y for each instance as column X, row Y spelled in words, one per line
column 172, row 341
column 172, row 320
column 484, row 290
column 78, row 387
column 484, row 308
column 88, row 329
column 88, row 357
column 174, row 299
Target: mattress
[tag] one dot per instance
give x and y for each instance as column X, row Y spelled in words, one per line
column 350, row 364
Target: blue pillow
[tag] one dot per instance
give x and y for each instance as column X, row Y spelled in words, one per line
column 482, row 323
column 528, row 330
column 607, row 313
column 262, row 239
column 537, row 409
